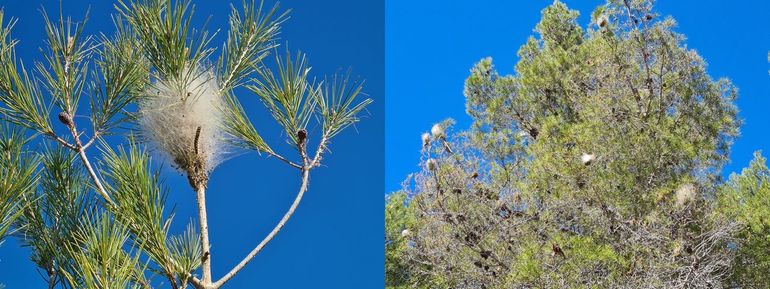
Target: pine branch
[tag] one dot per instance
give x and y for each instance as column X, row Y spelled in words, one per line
column 101, row 261
column 166, row 36
column 288, row 94
column 249, row 40
column 240, row 129
column 18, row 177
column 66, row 62
column 303, row 188
column 54, row 212
column 173, row 56
column 120, row 79
column 140, row 201
column 22, row 101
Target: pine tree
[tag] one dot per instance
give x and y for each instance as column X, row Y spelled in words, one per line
column 108, row 225
column 595, row 165
column 746, row 199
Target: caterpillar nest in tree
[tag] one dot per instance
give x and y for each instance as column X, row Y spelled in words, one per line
column 425, row 139
column 437, row 131
column 431, row 164
column 182, row 120
column 685, row 194
column 602, row 21
column 587, row 159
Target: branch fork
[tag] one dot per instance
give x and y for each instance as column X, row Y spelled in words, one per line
column 307, row 164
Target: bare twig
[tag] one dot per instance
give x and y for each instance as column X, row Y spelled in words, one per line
column 284, row 160
column 81, row 150
column 63, row 142
column 307, row 166
column 278, row 227
column 321, row 147
column 94, row 177
column 92, row 140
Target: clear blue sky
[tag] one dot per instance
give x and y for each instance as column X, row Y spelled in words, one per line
column 335, row 238
column 432, row 44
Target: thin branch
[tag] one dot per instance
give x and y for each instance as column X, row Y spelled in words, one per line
column 197, row 283
column 91, row 141
column 204, row 227
column 94, row 177
column 286, row 217
column 319, row 151
column 81, row 150
column 52, row 280
column 284, row 159
column 226, row 83
column 63, row 142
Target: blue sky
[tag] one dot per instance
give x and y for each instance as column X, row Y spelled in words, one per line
column 334, row 239
column 430, row 46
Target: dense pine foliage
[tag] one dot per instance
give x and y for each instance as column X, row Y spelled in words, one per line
column 595, row 165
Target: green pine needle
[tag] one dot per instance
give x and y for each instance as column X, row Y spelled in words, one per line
column 289, row 94
column 251, row 37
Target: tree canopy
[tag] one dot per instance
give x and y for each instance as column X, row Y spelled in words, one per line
column 595, row 165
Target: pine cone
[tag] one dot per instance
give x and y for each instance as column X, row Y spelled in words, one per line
column 302, row 136
column 66, row 119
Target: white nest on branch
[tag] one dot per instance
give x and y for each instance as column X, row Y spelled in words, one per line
column 182, row 120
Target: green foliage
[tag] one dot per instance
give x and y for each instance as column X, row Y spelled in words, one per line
column 107, row 226
column 746, row 198
column 595, row 165
column 140, row 200
column 66, row 74
column 167, row 38
column 238, row 125
column 250, row 39
column 24, row 105
column 558, row 27
column 289, row 94
column 398, row 219
column 124, row 71
column 101, row 261
column 337, row 107
column 186, row 251
column 18, row 177
column 56, row 212
column 61, row 204
column 294, row 100
column 66, row 62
